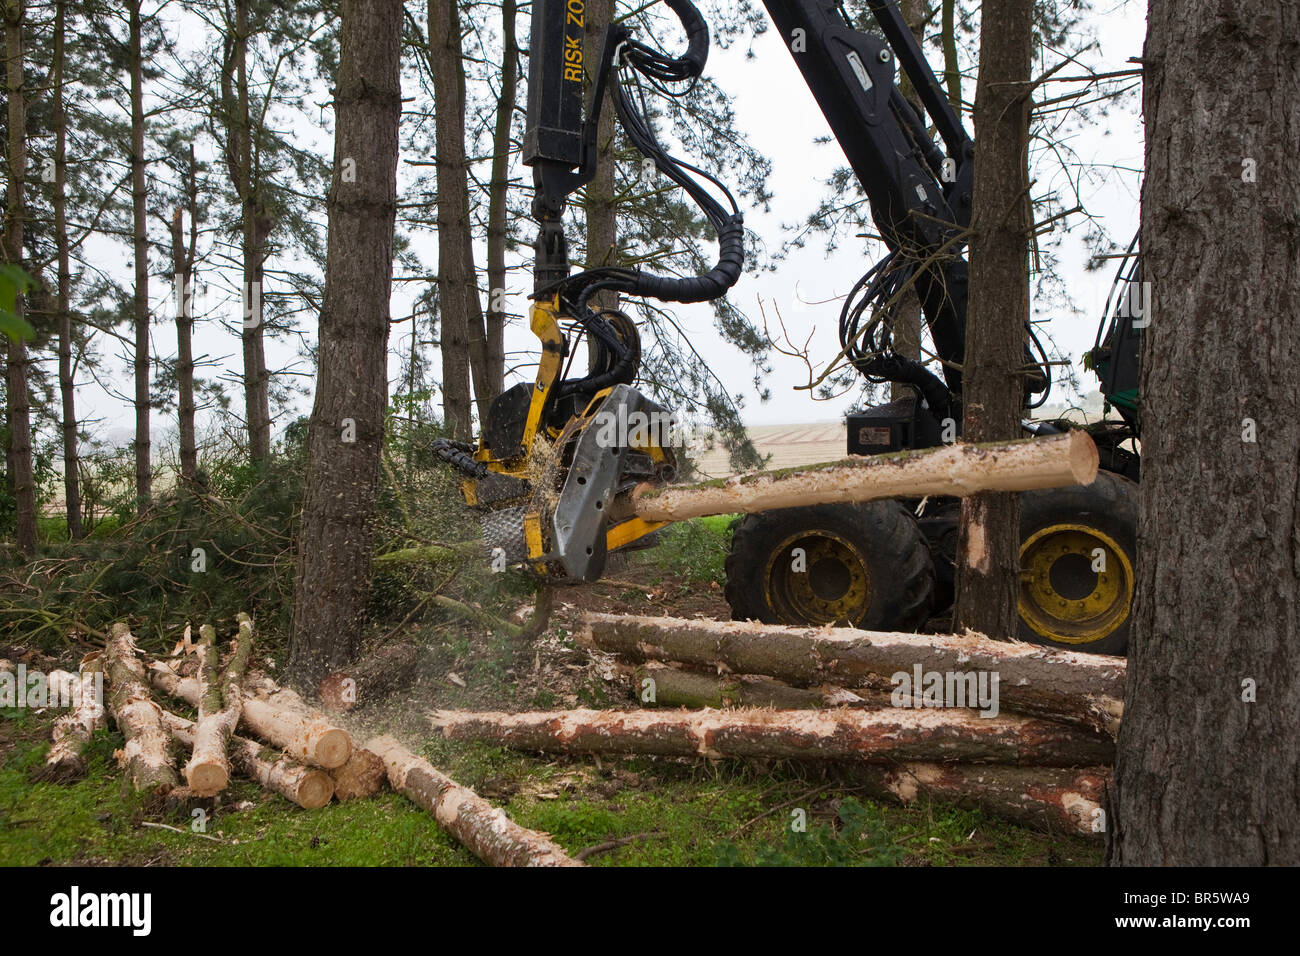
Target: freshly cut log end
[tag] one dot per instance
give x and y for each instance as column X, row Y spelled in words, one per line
column 363, row 775
column 306, row 786
column 956, row 470
column 207, row 779
column 283, row 722
column 483, row 829
column 874, row 736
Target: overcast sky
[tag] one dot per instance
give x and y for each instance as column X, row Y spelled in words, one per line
column 774, row 108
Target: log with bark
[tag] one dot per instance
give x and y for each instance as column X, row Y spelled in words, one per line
column 874, row 736
column 1046, row 798
column 1086, row 690
column 676, row 687
column 66, row 761
column 955, row 470
column 220, row 704
column 483, row 829
column 308, row 787
column 144, row 756
column 303, row 735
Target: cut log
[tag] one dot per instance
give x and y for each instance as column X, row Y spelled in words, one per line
column 483, row 829
column 674, row 687
column 375, row 677
column 144, row 756
column 956, row 470
column 306, row 786
column 1046, row 798
column 1086, row 690
column 220, row 704
column 364, row 775
column 306, row 737
column 66, row 761
column 875, row 736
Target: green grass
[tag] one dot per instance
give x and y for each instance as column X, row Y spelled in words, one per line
column 693, row 814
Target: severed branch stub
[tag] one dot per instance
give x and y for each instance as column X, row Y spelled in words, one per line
column 144, row 755
column 956, row 470
column 483, row 829
column 855, row 735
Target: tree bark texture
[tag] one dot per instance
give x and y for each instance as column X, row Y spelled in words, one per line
column 345, row 437
column 140, row 244
column 988, row 543
column 63, row 311
column 1209, row 756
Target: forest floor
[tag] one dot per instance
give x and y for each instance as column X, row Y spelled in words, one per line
column 670, row 811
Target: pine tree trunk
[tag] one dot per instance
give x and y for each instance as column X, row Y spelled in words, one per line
column 1208, row 754
column 21, row 476
column 183, row 273
column 988, row 545
column 140, row 226
column 464, row 342
column 67, row 388
column 497, row 192
column 951, row 66
column 345, row 442
column 257, row 410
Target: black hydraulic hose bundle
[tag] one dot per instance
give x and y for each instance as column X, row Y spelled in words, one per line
column 641, row 60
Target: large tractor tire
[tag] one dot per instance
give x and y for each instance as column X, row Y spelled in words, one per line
column 865, row 565
column 1077, row 560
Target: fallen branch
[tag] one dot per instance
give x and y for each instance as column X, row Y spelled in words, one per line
column 220, row 704
column 582, row 855
column 72, row 731
column 144, row 756
column 873, row 736
column 305, row 736
column 483, row 829
column 306, row 786
column 1041, row 797
column 956, row 470
column 1082, row 689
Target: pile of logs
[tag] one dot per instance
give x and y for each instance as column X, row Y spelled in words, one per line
column 764, row 691
column 252, row 726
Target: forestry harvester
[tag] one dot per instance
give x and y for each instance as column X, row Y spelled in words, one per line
column 558, row 495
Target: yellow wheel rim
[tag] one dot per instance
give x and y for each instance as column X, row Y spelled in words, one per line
column 817, row 577
column 1076, row 583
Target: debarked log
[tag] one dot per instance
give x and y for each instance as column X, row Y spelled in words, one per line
column 483, row 829
column 1055, row 799
column 1085, row 690
column 144, row 755
column 960, row 469
column 892, row 735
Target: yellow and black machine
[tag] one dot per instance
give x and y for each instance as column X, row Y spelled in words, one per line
column 554, row 487
column 552, row 483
